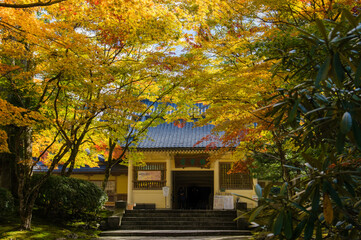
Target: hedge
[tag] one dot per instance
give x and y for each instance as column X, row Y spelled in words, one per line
column 69, row 197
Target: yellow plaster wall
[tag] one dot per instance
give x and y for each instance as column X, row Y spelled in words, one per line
column 80, row 176
column 150, row 196
column 122, row 184
column 121, row 181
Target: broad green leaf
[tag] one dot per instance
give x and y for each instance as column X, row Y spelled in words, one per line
column 318, row 232
column 346, row 123
column 277, row 227
column 267, row 190
column 309, row 228
column 350, row 189
column 284, row 189
column 329, row 189
column 255, row 213
column 349, row 17
column 340, row 142
column 323, row 72
column 258, row 190
column 322, row 29
column 316, row 199
column 288, row 226
column 356, row 131
column 321, row 97
column 299, row 228
column 292, row 114
column 309, row 188
column 338, row 68
column 242, row 196
column 357, row 79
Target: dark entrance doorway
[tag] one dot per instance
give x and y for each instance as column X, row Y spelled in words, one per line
column 192, row 189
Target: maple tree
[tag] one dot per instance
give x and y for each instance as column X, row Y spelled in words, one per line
column 84, row 67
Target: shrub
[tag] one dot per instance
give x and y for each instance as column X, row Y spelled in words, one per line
column 70, row 197
column 6, row 202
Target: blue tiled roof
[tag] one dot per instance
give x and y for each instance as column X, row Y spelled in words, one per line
column 167, row 135
column 40, row 167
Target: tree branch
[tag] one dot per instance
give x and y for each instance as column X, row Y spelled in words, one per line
column 30, row 5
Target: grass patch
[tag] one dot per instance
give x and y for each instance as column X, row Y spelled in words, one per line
column 44, row 229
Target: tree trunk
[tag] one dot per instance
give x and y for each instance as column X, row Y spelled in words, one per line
column 21, row 146
column 109, row 164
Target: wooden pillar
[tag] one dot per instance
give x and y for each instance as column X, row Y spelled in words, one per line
column 169, row 182
column 130, row 183
column 216, row 177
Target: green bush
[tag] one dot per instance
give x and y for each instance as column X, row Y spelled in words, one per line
column 6, row 202
column 70, row 197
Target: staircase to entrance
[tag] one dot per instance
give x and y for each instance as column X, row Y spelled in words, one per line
column 178, row 222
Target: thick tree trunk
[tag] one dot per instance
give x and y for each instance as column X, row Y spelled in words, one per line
column 22, row 148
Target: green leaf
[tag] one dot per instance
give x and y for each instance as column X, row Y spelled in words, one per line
column 284, row 189
column 318, row 232
column 299, row 228
column 321, row 97
column 323, row 72
column 340, row 142
column 309, row 228
column 267, row 190
column 350, row 189
column 339, row 72
column 316, row 199
column 292, row 114
column 346, row 123
column 242, row 196
column 358, row 75
column 310, row 186
column 322, row 29
column 349, row 17
column 255, row 213
column 277, row 227
column 328, row 188
column 258, row 190
column 288, row 225
column 356, row 131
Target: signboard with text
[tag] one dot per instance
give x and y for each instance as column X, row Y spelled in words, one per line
column 149, row 175
column 188, row 160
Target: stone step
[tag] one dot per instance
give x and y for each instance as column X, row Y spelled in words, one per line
column 199, row 220
column 178, row 223
column 164, row 219
column 176, row 227
column 144, row 213
column 176, row 233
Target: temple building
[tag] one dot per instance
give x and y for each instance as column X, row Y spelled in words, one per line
column 176, row 174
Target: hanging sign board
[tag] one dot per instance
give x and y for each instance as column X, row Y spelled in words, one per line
column 149, row 175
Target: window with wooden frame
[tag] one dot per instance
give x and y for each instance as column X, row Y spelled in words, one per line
column 233, row 180
column 151, row 176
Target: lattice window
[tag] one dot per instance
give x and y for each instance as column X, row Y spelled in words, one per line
column 151, row 176
column 233, row 180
